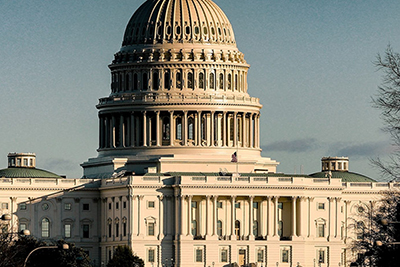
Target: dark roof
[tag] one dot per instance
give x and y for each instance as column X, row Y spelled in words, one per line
column 27, row 173
column 345, row 176
column 241, row 174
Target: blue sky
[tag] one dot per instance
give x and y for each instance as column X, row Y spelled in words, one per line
column 311, row 66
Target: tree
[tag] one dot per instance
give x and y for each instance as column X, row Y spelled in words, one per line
column 374, row 243
column 123, row 256
column 14, row 251
column 388, row 101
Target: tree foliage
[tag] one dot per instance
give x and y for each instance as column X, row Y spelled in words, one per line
column 123, row 256
column 374, row 246
column 388, row 102
column 13, row 252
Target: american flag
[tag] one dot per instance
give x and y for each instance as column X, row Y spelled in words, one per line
column 234, row 157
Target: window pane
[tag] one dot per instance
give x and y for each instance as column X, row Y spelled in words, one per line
column 151, row 229
column 45, row 227
column 86, row 231
column 199, row 255
column 67, row 230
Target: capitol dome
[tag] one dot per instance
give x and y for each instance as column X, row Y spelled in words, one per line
column 173, row 21
column 179, row 96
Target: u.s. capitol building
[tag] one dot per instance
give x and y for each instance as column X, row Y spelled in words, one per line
column 179, row 175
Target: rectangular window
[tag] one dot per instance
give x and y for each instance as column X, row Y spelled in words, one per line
column 219, row 205
column 260, row 255
column 109, row 229
column 67, row 231
column 4, row 206
column 150, row 204
column 237, row 205
column 22, row 206
column 321, row 256
column 285, row 255
column 124, row 205
column 199, row 255
column 25, row 162
column 321, row 230
column 86, row 231
column 321, row 206
column 150, row 230
column 22, row 226
column 150, row 255
column 117, row 205
column 194, row 204
column 117, row 229
column 280, row 205
column 109, row 206
column 67, row 206
column 85, row 206
column 255, row 205
column 224, row 255
column 124, row 228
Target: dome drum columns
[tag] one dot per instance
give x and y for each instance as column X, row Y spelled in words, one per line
column 180, row 129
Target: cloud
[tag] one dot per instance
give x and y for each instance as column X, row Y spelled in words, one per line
column 299, row 145
column 58, row 164
column 369, row 149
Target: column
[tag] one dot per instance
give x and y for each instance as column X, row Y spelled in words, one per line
column 215, row 217
column 101, row 129
column 235, row 130
column 224, row 135
column 113, row 132
column 199, row 136
column 208, row 216
column 251, row 217
column 244, row 130
column 271, row 217
column 181, row 206
column 132, row 229
column 161, row 203
column 233, row 217
column 144, row 128
column 212, row 128
column 330, row 218
column 158, row 128
column 171, row 128
column 132, row 130
column 139, row 214
column 311, row 208
column 185, row 128
column 251, row 125
column 264, row 217
column 294, row 217
column 189, row 216
column 195, row 129
column 337, row 218
column 258, row 131
column 303, row 213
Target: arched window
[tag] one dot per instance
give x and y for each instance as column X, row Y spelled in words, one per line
column 194, row 228
column 255, row 228
column 167, row 83
column 201, row 80
column 166, row 129
column 221, row 81
column 229, row 84
column 236, row 82
column 155, row 80
column 179, row 80
column 190, row 83
column 212, row 81
column 128, row 82
column 179, row 128
column 231, row 128
column 145, row 82
column 219, row 228
column 45, row 227
column 237, row 229
column 135, row 81
column 191, row 128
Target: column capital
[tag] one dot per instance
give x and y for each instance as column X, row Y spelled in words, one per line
column 160, row 197
column 251, row 197
column 144, row 112
column 347, row 202
column 302, row 198
column 208, row 197
column 294, row 198
column 215, row 197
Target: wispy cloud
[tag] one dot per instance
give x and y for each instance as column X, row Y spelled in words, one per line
column 369, row 149
column 298, row 145
column 58, row 164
